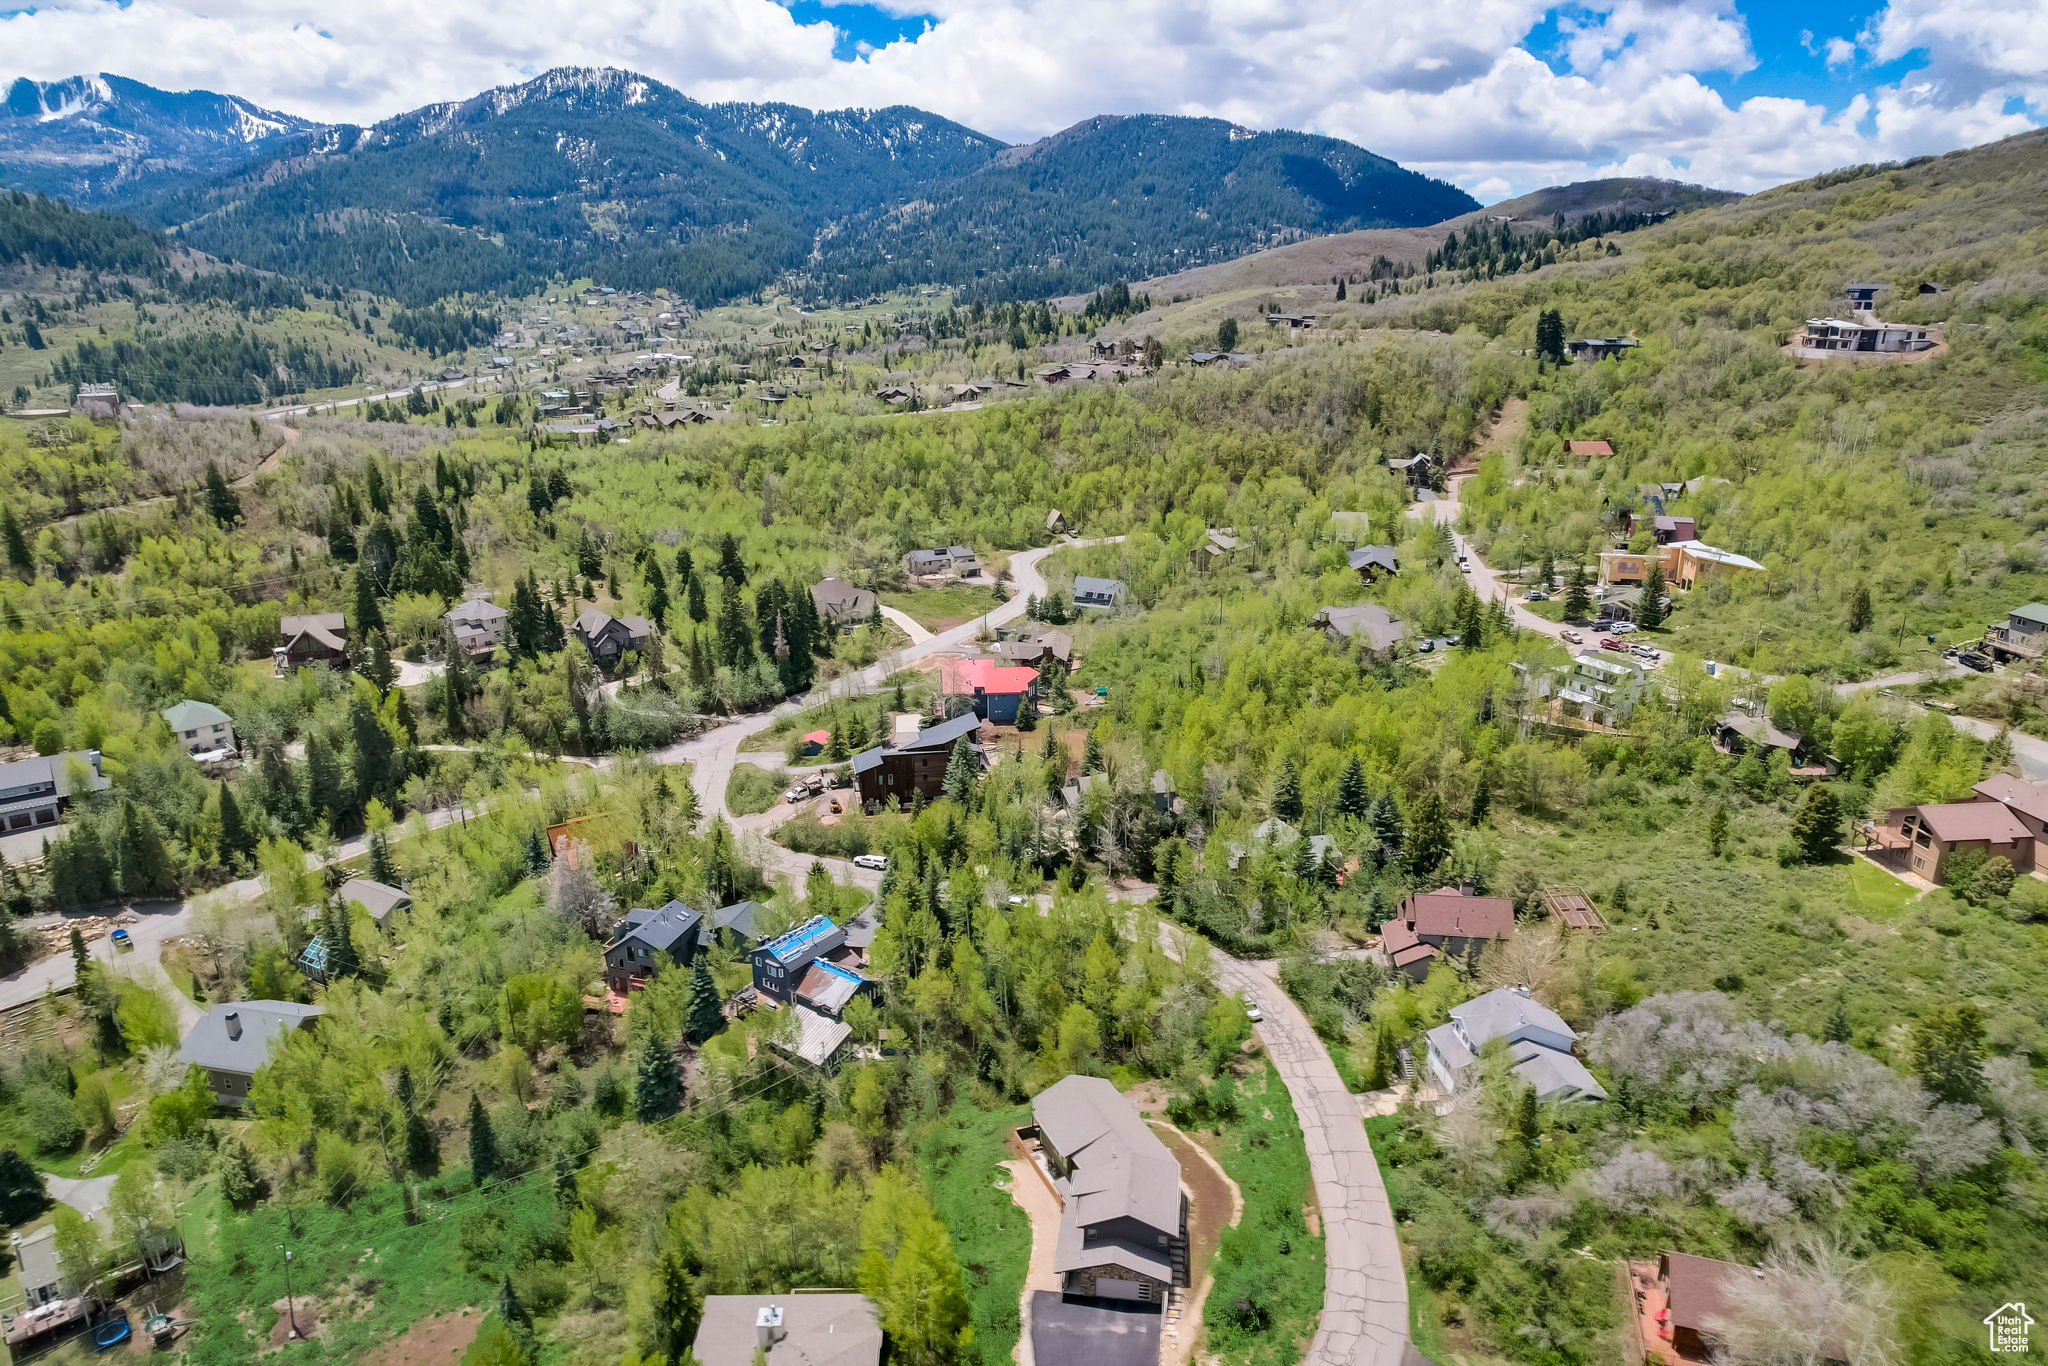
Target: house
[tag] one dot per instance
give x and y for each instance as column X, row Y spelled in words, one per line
column 33, row 792
column 1537, row 1039
column 2024, row 634
column 1685, row 1302
column 1835, row 336
column 1093, row 592
column 479, row 627
column 1738, row 733
column 379, row 899
column 43, row 1282
column 1274, row 833
column 1000, row 692
column 1600, row 348
column 315, row 638
column 1295, row 321
column 1595, row 685
column 1417, row 469
column 1684, row 563
column 646, row 940
column 1863, row 297
column 1665, row 530
column 608, row 637
column 2004, row 819
column 803, row 1328
column 1620, row 602
column 951, row 559
column 1374, row 562
column 813, row 742
column 1368, row 625
column 895, row 394
column 814, row 970
column 738, row 926
column 1449, row 922
column 1217, row 543
column 1930, row 287
column 1035, row 647
column 1165, row 799
column 1123, row 1219
column 1055, row 522
column 970, row 390
column 233, row 1040
column 1587, row 449
column 204, row 730
column 842, row 604
column 914, row 763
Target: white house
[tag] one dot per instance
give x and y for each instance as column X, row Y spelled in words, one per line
column 204, row 730
column 1597, row 685
column 1538, row 1040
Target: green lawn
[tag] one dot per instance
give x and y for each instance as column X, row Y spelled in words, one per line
column 1268, row 1288
column 752, row 789
column 1425, row 1320
column 1873, row 890
column 939, row 609
column 961, row 1162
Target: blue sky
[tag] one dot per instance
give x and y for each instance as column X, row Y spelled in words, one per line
column 1498, row 96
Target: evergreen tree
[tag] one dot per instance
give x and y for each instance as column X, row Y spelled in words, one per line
column 1946, row 1048
column 1578, row 596
column 534, row 850
column 241, row 1185
column 1354, row 803
column 382, row 869
column 1027, row 712
column 1817, row 823
column 237, row 841
column 1286, row 801
column 705, row 1015
column 483, row 1144
column 1429, row 834
column 1226, row 335
column 656, row 1090
column 1717, row 829
column 1091, row 754
column 675, row 1304
column 1550, row 336
column 223, row 504
column 1471, row 622
column 341, row 540
column 143, row 864
column 1650, row 612
column 421, row 1153
column 512, row 1310
column 369, row 616
column 959, row 780
column 15, row 544
column 693, row 601
column 731, row 567
column 1838, row 1029
column 22, row 1195
column 1388, row 826
column 340, row 944
column 1859, row 608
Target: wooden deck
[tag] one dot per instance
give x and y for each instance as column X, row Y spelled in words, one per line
column 1572, row 908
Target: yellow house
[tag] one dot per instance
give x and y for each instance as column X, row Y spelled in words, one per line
column 1684, row 562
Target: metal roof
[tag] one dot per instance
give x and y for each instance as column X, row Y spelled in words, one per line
column 191, row 715
column 786, row 946
column 210, row 1043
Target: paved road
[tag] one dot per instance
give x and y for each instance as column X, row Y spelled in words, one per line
column 159, row 922
column 911, row 627
column 1485, row 580
column 1365, row 1286
column 425, row 388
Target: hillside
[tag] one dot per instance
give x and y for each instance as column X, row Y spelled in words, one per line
column 105, row 139
column 1122, row 197
column 1352, row 255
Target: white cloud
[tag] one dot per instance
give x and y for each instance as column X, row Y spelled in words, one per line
column 1446, row 87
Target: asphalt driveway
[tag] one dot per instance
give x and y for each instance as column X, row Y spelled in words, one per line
column 1092, row 1332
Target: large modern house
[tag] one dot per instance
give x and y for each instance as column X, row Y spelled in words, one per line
column 479, row 627
column 998, row 691
column 1090, row 591
column 34, row 791
column 1833, row 336
column 1538, row 1041
column 2022, row 635
column 645, row 940
column 912, row 763
column 233, row 1040
column 842, row 604
column 608, row 637
column 804, row 1328
column 2005, row 818
column 1123, row 1220
column 1368, row 626
column 815, row 970
column 1447, row 921
column 1597, row 685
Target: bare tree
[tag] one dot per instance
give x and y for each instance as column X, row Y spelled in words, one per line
column 577, row 896
column 1809, row 1304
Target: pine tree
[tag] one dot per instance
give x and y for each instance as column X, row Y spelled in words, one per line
column 143, row 864
column 656, row 1091
column 1578, row 597
column 22, row 1195
column 240, row 1184
column 1859, row 608
column 1817, row 823
column 959, row 780
column 1717, row 829
column 223, row 504
column 512, row 1310
column 1550, row 336
column 1471, row 622
column 1091, row 754
column 1838, row 1029
column 534, row 851
column 1429, row 834
column 339, row 942
column 422, row 1154
column 483, row 1144
column 382, row 869
column 1286, row 801
column 705, row 1015
column 1226, row 335
column 1388, row 827
column 1650, row 612
column 731, row 567
column 1353, row 801
column 237, row 841
column 15, row 544
column 693, row 601
column 676, row 1305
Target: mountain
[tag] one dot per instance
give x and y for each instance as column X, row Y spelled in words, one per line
column 583, row 171
column 1319, row 260
column 1128, row 196
column 103, row 139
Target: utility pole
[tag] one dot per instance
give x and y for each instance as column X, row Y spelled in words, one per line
column 290, row 1309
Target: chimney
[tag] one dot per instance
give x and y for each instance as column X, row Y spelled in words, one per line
column 767, row 1327
column 233, row 1020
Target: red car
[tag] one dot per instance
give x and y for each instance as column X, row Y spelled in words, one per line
column 1612, row 643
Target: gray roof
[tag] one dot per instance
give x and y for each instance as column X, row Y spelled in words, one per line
column 743, row 918
column 660, row 930
column 1502, row 1011
column 1556, row 1075
column 1382, row 555
column 1369, row 622
column 36, row 1254
column 817, row 1330
column 476, row 609
column 190, row 715
column 818, row 1037
column 1086, row 585
column 52, row 769
column 209, row 1042
column 378, row 898
column 1759, row 731
column 836, row 597
column 1120, row 1168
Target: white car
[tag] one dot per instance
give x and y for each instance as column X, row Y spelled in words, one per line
column 796, row 794
column 1253, row 1013
column 875, row 861
column 1621, row 628
column 1646, row 652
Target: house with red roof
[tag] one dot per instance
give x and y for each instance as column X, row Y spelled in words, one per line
column 998, row 690
column 814, row 742
column 2005, row 818
column 1449, row 921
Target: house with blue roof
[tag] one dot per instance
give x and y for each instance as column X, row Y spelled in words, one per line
column 816, row 972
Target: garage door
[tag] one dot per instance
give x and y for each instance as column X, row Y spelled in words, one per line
column 1119, row 1290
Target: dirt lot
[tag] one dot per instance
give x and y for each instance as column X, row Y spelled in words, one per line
column 441, row 1339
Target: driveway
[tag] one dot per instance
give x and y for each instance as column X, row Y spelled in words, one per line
column 1030, row 1194
column 1091, row 1333
column 1365, row 1287
column 908, row 624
